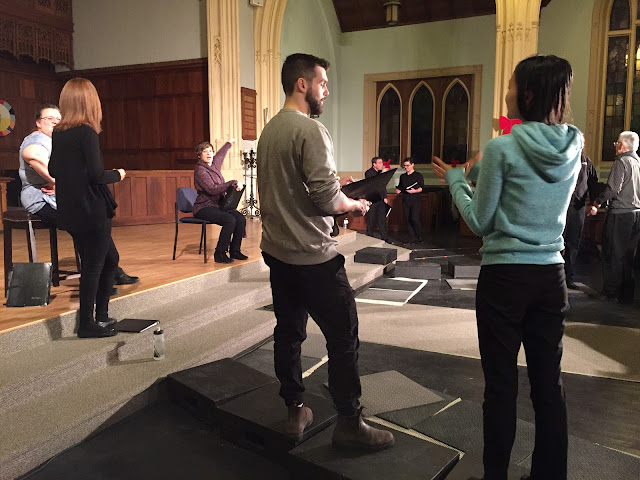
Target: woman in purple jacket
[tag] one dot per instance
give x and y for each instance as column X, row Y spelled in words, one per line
column 211, row 188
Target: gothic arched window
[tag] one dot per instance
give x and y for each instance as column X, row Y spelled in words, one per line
column 422, row 125
column 389, row 133
column 456, row 124
column 621, row 100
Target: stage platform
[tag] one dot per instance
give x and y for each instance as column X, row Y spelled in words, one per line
column 145, row 251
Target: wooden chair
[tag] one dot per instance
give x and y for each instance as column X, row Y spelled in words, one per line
column 185, row 198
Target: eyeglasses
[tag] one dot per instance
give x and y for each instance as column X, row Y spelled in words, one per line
column 406, row 165
column 51, row 119
column 615, row 144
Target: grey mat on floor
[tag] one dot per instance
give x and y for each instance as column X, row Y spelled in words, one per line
column 315, row 346
column 409, row 417
column 390, row 391
column 262, row 360
column 393, row 284
column 589, row 461
column 374, row 294
column 460, row 426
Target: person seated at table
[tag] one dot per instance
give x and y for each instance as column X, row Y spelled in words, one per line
column 211, row 188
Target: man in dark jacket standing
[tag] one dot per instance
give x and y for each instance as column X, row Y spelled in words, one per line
column 587, row 183
column 378, row 211
column 621, row 230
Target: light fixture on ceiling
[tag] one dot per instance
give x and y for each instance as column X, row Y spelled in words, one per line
column 392, row 7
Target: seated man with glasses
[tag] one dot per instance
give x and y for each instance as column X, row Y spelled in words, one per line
column 38, row 194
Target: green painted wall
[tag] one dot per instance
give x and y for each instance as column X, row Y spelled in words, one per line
column 309, row 27
column 415, row 47
column 565, row 31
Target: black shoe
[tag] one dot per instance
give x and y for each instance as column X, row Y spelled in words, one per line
column 109, row 322
column 94, row 330
column 221, row 257
column 238, row 255
column 572, row 286
column 124, row 279
column 114, row 291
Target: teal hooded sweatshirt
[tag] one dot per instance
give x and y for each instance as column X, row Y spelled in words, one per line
column 525, row 182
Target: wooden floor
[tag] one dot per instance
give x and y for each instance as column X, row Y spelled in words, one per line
column 145, row 251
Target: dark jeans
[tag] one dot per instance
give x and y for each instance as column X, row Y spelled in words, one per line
column 323, row 291
column 523, row 304
column 99, row 258
column 377, row 215
column 572, row 235
column 620, row 235
column 411, row 210
column 232, row 222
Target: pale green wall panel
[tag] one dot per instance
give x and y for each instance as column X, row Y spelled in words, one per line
column 565, row 31
column 452, row 43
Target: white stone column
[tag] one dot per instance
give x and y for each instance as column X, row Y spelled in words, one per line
column 517, row 24
column 267, row 26
column 223, row 38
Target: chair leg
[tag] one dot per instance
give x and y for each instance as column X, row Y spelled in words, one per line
column 78, row 259
column 53, row 242
column 204, row 236
column 175, row 242
column 8, row 254
column 29, row 246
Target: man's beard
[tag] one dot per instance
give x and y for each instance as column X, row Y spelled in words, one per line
column 315, row 106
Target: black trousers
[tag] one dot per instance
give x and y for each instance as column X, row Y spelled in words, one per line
column 48, row 214
column 411, row 210
column 323, row 291
column 523, row 304
column 377, row 214
column 232, row 222
column 620, row 235
column 572, row 235
column 99, row 258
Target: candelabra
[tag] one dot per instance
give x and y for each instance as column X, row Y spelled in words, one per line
column 250, row 167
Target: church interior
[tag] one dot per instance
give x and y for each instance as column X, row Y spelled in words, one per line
column 407, row 79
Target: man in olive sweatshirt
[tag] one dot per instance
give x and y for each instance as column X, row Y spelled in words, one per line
column 299, row 192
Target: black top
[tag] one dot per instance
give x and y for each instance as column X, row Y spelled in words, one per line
column 84, row 201
column 372, row 172
column 407, row 182
column 587, row 183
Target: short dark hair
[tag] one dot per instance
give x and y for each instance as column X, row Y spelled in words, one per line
column 544, row 85
column 408, row 159
column 202, row 146
column 375, row 159
column 42, row 107
column 300, row 65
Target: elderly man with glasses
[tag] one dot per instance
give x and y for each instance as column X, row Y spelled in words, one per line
column 38, row 194
column 621, row 230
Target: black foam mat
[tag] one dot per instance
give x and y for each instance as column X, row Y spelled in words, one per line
column 470, row 468
column 409, row 458
column 409, row 417
column 262, row 361
column 460, row 426
column 590, row 461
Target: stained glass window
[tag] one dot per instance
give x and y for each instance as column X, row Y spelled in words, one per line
column 456, row 124
column 389, row 144
column 615, row 94
column 620, row 18
column 422, row 126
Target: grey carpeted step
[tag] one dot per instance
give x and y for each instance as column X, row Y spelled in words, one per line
column 48, row 424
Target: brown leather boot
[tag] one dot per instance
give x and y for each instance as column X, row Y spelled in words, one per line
column 352, row 432
column 298, row 419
